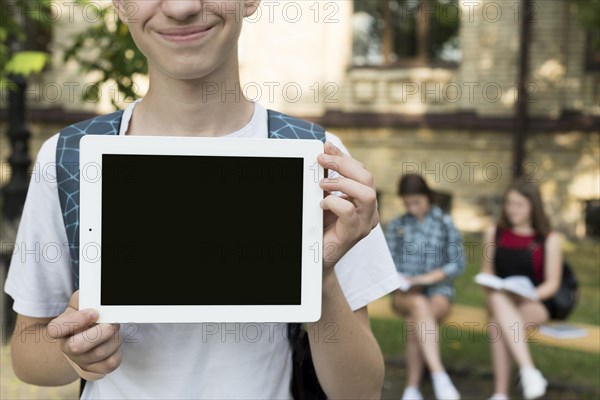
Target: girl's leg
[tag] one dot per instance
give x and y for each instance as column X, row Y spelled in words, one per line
column 533, row 312
column 442, row 384
column 506, row 314
column 501, row 363
column 440, row 305
column 414, row 357
column 423, row 323
column 513, row 315
column 422, row 316
column 401, row 303
column 414, row 360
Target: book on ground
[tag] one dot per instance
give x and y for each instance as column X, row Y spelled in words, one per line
column 563, row 331
column 517, row 284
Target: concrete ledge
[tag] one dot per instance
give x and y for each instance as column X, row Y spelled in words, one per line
column 468, row 317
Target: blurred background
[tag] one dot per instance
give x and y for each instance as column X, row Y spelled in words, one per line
column 470, row 94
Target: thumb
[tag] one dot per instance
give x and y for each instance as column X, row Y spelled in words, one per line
column 73, row 303
column 72, row 320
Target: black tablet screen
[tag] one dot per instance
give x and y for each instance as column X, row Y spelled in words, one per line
column 199, row 230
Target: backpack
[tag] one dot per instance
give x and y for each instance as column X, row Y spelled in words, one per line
column 305, row 383
column 564, row 300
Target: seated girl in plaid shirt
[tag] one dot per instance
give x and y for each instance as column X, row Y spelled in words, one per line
column 428, row 253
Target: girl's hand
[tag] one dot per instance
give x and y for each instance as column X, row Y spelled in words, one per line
column 430, row 278
column 418, row 280
column 350, row 217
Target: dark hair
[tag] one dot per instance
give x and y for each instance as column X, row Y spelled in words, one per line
column 414, row 184
column 539, row 219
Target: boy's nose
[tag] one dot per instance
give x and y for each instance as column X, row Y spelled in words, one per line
column 181, row 9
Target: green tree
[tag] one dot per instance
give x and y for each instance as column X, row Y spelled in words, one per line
column 115, row 55
column 589, row 15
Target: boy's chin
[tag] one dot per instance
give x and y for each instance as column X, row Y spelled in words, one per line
column 189, row 72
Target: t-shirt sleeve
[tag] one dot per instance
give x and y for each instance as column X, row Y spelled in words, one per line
column 39, row 277
column 366, row 272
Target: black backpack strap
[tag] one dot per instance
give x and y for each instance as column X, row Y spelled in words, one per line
column 67, row 176
column 305, row 382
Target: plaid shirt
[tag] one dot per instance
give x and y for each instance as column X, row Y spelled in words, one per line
column 418, row 248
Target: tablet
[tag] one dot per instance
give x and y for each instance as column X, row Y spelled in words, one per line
column 189, row 229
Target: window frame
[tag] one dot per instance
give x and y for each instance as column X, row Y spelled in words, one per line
column 421, row 59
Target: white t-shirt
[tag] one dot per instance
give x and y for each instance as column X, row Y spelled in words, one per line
column 176, row 360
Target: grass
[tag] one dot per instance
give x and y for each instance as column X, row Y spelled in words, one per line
column 559, row 365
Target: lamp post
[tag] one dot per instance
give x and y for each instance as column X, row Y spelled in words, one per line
column 15, row 190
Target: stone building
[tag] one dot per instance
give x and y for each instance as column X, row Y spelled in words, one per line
column 412, row 86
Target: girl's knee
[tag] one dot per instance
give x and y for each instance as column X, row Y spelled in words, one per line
column 440, row 306
column 534, row 314
column 497, row 296
column 419, row 307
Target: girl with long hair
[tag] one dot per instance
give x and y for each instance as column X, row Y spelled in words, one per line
column 525, row 245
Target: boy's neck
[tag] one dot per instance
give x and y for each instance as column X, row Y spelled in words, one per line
column 211, row 106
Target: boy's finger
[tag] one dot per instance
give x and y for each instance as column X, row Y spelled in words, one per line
column 92, row 339
column 103, row 351
column 107, row 365
column 346, row 166
column 331, row 149
column 71, row 323
column 360, row 193
column 344, row 209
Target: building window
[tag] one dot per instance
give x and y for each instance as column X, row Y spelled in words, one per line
column 406, row 32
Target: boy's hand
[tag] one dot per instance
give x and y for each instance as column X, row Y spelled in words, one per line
column 93, row 350
column 352, row 216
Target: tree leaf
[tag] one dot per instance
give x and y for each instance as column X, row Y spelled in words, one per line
column 26, row 63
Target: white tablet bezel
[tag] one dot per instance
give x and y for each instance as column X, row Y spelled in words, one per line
column 92, row 147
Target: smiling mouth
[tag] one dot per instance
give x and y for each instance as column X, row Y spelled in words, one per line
column 185, row 34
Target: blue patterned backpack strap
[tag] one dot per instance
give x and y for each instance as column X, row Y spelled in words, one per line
column 305, row 382
column 283, row 126
column 67, row 176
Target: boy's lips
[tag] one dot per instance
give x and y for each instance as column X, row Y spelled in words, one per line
column 184, row 34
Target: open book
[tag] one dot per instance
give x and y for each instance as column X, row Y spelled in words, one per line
column 404, row 284
column 563, row 331
column 518, row 284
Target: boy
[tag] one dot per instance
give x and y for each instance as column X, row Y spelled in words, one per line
column 190, row 43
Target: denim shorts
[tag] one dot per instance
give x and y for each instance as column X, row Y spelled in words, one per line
column 441, row 288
